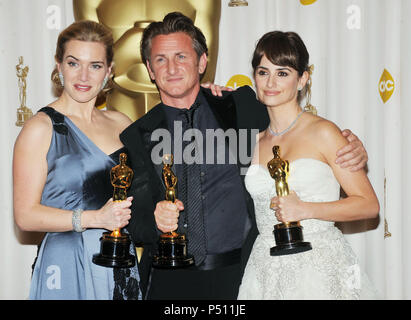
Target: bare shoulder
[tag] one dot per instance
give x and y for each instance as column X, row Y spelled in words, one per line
column 37, row 127
column 121, row 120
column 326, row 135
column 324, row 130
column 35, row 137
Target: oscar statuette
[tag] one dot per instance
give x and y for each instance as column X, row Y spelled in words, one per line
column 115, row 246
column 23, row 113
column 172, row 246
column 288, row 235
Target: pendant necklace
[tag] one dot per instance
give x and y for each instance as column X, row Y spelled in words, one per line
column 277, row 134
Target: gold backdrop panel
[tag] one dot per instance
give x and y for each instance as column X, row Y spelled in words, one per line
column 134, row 93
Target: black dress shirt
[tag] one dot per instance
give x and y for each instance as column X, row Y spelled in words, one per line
column 222, row 194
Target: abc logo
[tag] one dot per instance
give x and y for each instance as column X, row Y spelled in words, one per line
column 307, row 2
column 239, row 80
column 386, row 86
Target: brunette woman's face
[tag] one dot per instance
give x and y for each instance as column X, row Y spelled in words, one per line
column 277, row 85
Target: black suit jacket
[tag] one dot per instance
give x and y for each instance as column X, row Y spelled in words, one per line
column 238, row 110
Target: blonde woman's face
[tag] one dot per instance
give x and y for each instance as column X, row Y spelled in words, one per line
column 84, row 67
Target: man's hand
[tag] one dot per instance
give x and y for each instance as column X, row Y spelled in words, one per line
column 352, row 156
column 166, row 215
column 216, row 90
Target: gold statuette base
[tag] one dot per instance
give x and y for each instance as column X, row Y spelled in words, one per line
column 289, row 239
column 237, row 3
column 23, row 114
column 172, row 252
column 114, row 252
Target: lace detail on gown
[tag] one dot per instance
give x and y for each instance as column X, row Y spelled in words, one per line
column 126, row 284
column 329, row 271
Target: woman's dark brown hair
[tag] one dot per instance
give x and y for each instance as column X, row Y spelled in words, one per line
column 283, row 49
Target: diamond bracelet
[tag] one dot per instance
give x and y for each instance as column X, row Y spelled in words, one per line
column 76, row 220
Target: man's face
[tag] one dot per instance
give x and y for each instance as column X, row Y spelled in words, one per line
column 176, row 69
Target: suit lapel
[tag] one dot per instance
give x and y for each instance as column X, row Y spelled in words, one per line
column 154, row 121
column 140, row 149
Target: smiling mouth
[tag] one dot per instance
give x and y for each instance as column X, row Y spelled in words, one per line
column 174, row 79
column 271, row 93
column 82, row 88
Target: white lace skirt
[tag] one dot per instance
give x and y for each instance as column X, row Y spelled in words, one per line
column 329, row 271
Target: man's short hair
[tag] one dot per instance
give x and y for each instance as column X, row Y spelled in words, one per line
column 172, row 23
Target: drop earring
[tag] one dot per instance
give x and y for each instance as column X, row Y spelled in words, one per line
column 104, row 83
column 61, row 78
column 308, row 106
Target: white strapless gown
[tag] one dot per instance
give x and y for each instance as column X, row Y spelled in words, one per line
column 329, row 271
